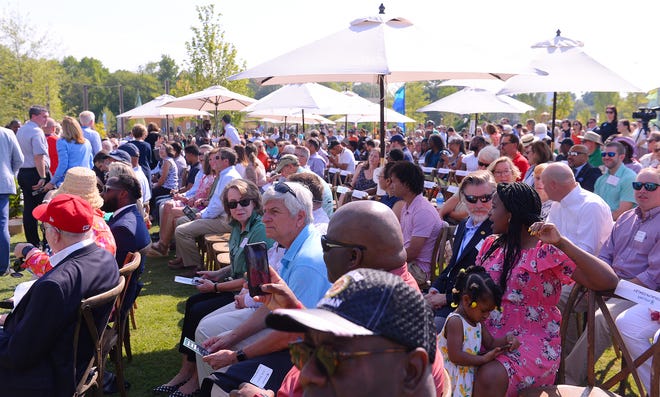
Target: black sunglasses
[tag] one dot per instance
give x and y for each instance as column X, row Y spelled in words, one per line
column 326, row 358
column 473, row 199
column 649, row 186
column 327, row 244
column 243, row 202
column 284, row 188
column 483, row 164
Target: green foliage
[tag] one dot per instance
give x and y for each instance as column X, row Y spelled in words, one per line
column 416, row 97
column 27, row 77
column 15, row 203
column 565, row 104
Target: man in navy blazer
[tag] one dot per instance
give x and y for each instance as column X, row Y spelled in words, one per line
column 36, row 355
column 476, row 191
column 585, row 173
column 120, row 196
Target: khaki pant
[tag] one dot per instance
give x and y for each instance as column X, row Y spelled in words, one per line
column 186, row 235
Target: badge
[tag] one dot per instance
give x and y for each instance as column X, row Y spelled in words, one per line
column 640, row 236
column 612, row 180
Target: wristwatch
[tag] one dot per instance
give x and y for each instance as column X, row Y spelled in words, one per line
column 240, row 355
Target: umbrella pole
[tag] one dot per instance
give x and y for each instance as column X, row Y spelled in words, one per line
column 381, row 86
column 303, row 120
column 554, row 111
column 217, row 133
column 346, row 123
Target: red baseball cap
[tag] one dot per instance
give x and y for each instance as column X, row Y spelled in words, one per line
column 66, row 212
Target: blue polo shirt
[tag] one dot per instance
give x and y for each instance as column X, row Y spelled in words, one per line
column 303, row 268
column 622, row 191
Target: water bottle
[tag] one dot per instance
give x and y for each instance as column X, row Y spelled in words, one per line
column 439, row 200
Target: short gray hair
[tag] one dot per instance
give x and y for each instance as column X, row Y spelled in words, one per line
column 301, row 202
column 86, row 117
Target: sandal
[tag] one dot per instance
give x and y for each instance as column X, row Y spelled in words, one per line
column 154, row 251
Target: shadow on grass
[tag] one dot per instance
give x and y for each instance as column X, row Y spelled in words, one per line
column 148, row 370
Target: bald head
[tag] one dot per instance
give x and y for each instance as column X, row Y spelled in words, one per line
column 372, row 225
column 558, row 180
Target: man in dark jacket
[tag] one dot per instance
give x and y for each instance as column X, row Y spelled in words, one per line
column 585, row 173
column 36, row 356
column 476, row 191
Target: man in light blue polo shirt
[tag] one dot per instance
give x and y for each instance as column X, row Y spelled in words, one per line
column 615, row 185
column 87, row 123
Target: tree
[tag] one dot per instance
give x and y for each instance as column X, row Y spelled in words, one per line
column 27, row 77
column 167, row 70
column 211, row 60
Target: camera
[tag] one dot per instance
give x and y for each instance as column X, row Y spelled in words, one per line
column 646, row 114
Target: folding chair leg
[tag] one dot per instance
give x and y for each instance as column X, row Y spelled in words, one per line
column 132, row 315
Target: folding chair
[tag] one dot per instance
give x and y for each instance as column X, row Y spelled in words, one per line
column 93, row 375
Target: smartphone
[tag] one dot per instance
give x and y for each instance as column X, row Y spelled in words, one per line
column 256, row 256
column 190, row 213
column 190, row 344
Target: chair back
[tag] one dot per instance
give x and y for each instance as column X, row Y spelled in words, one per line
column 86, row 319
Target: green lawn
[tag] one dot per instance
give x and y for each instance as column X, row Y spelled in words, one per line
column 159, row 317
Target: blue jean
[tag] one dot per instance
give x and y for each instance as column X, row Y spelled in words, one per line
column 4, row 232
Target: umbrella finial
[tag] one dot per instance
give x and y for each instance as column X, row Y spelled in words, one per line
column 558, row 32
column 381, row 9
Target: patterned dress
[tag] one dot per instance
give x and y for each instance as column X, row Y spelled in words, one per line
column 529, row 310
column 462, row 376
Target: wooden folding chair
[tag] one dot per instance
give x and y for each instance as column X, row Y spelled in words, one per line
column 93, row 375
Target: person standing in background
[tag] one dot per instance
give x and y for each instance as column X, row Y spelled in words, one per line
column 87, row 124
column 11, row 159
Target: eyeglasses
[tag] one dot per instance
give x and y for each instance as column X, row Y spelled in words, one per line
column 483, row 164
column 507, row 172
column 473, row 199
column 243, row 202
column 504, row 143
column 649, row 186
column 327, row 244
column 574, row 154
column 44, row 226
column 609, row 111
column 284, row 188
column 328, row 360
column 609, row 154
column 108, row 187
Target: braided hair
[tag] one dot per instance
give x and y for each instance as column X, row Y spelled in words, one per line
column 476, row 283
column 524, row 205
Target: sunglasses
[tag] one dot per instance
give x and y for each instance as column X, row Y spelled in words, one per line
column 575, row 153
column 483, row 164
column 473, row 199
column 649, row 186
column 504, row 143
column 218, row 157
column 327, row 244
column 108, row 187
column 609, row 111
column 284, row 188
column 327, row 359
column 233, row 204
column 609, row 154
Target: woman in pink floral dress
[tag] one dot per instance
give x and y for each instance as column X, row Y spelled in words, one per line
column 531, row 261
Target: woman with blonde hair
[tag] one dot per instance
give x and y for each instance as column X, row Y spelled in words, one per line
column 504, row 170
column 73, row 150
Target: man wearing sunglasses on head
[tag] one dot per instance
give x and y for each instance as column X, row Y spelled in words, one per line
column 633, row 251
column 476, row 192
column 615, row 185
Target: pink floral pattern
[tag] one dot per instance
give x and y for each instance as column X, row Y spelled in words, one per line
column 529, row 310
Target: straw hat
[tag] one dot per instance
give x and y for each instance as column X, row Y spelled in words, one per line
column 81, row 181
column 592, row 136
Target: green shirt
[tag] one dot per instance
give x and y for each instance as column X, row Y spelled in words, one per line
column 595, row 158
column 254, row 232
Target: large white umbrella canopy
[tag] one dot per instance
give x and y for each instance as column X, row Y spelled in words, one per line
column 378, row 48
column 312, row 97
column 212, row 99
column 276, row 119
column 391, row 116
column 568, row 68
column 154, row 109
column 476, row 100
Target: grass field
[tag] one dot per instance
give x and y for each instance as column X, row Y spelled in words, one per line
column 159, row 316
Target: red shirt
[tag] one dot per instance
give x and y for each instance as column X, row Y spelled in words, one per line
column 52, row 152
column 263, row 157
column 523, row 165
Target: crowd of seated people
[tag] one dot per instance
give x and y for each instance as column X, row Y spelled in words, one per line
column 534, row 218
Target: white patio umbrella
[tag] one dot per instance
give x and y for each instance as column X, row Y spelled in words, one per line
column 476, row 100
column 212, row 99
column 569, row 68
column 380, row 48
column 391, row 116
column 154, row 109
column 309, row 119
